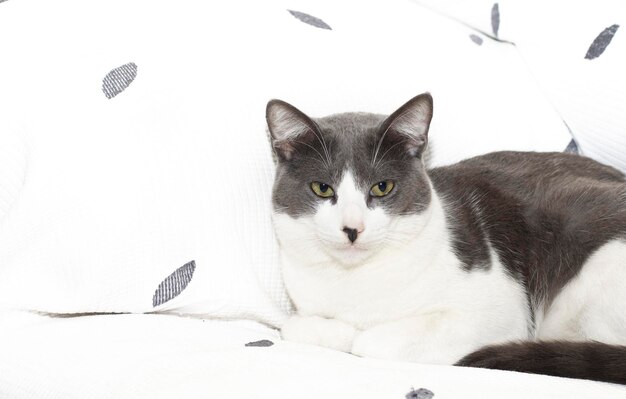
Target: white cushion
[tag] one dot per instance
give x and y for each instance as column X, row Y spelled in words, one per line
column 576, row 51
column 120, row 191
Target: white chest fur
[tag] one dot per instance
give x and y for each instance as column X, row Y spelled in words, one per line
column 420, row 279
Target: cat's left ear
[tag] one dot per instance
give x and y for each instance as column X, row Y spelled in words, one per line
column 410, row 124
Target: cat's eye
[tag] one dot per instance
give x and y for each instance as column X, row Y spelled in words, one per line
column 322, row 189
column 381, row 188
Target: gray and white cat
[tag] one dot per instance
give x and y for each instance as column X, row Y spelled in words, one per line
column 509, row 260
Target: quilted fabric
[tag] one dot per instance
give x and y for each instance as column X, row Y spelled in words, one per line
column 139, row 145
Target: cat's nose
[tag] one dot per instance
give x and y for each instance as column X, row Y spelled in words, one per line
column 352, row 220
column 351, row 233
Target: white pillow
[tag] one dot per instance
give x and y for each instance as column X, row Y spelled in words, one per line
column 124, row 188
column 12, row 166
column 577, row 53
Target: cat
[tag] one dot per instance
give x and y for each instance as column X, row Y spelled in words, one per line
column 510, row 260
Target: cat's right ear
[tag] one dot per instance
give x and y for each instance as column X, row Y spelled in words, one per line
column 288, row 127
column 410, row 124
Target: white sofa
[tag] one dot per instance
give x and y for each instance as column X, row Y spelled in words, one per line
column 137, row 258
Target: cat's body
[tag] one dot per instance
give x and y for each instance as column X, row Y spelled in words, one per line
column 499, row 248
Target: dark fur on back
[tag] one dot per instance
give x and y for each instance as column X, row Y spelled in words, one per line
column 583, row 360
column 543, row 213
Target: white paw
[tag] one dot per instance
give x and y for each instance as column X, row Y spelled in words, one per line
column 380, row 343
column 406, row 340
column 315, row 330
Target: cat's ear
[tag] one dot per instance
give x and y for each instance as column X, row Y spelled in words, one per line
column 288, row 127
column 410, row 124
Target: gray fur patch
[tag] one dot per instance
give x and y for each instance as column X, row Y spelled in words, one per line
column 543, row 213
column 174, row 284
column 119, row 79
column 601, row 42
column 309, row 19
column 591, row 360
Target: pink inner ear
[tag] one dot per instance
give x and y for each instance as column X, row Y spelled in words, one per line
column 288, row 147
column 415, row 144
column 287, row 122
column 284, row 148
column 411, row 122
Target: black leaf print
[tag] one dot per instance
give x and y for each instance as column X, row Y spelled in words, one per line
column 601, row 42
column 421, row 393
column 495, row 19
column 309, row 19
column 174, row 284
column 263, row 342
column 118, row 79
column 476, row 39
column 572, row 147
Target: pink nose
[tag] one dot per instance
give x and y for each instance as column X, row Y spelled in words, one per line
column 353, row 218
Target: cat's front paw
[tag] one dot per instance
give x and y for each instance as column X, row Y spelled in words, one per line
column 315, row 330
column 379, row 343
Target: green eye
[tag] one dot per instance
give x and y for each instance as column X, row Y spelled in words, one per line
column 382, row 188
column 322, row 189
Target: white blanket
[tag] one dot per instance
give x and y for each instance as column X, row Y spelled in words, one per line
column 157, row 356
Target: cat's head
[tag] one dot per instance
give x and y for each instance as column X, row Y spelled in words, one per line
column 348, row 185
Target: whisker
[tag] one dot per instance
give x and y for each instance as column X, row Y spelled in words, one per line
column 318, row 153
column 388, row 149
column 380, row 142
column 321, row 140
